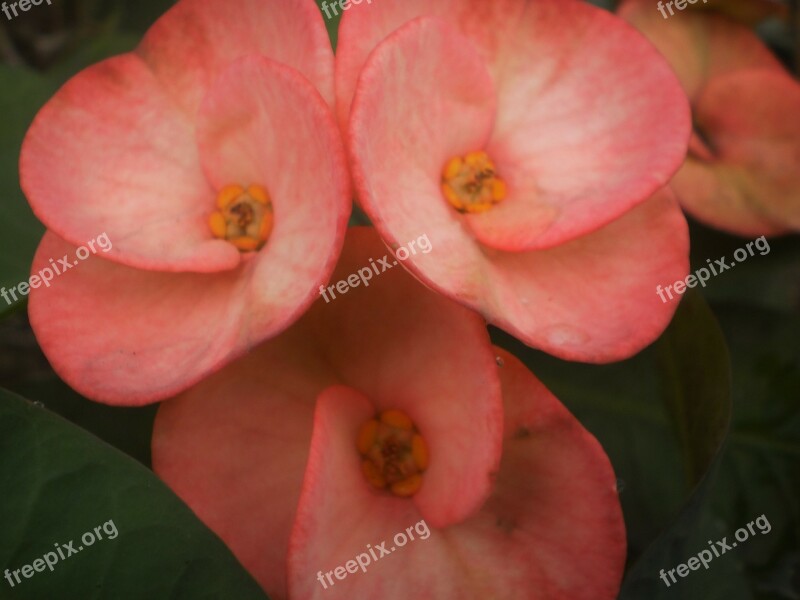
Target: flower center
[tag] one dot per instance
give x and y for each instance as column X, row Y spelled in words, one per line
column 244, row 217
column 471, row 184
column 394, row 453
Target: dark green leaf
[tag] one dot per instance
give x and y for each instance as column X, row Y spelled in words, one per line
column 59, row 482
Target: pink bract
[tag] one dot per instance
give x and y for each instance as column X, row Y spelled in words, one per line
column 585, row 122
column 138, row 147
column 741, row 174
column 265, row 453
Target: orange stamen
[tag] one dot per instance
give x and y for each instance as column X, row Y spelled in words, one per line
column 471, row 183
column 245, row 217
column 394, row 454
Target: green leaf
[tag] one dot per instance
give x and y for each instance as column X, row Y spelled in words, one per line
column 695, row 369
column 756, row 477
column 59, row 482
column 760, row 470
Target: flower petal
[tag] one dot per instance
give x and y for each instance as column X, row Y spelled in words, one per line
column 397, row 343
column 456, row 118
column 446, row 108
column 574, row 149
column 751, row 184
column 593, row 299
column 552, row 529
column 235, row 448
column 699, row 45
column 126, row 336
column 194, row 41
column 337, row 508
column 588, row 126
column 110, row 153
column 262, row 123
column 364, row 26
column 555, row 497
column 408, row 348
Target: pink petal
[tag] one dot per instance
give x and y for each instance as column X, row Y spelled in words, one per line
column 365, row 25
column 539, row 296
column 235, row 449
column 131, row 337
column 262, row 123
column 397, row 343
column 513, row 290
column 699, row 46
column 575, row 150
column 595, row 299
column 588, row 126
column 751, row 185
column 194, row 41
column 374, row 339
column 552, row 529
column 337, row 508
column 436, row 126
column 251, row 130
column 111, row 154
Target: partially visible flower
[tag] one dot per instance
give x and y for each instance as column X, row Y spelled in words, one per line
column 383, row 408
column 529, row 141
column 742, row 173
column 217, row 171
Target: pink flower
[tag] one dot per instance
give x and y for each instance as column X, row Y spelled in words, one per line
column 216, row 170
column 290, row 454
column 741, row 173
column 528, row 140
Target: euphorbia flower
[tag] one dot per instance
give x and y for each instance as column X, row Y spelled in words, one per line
column 741, row 173
column 280, row 454
column 217, row 171
column 526, row 139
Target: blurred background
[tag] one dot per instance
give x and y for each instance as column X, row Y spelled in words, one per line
column 703, row 428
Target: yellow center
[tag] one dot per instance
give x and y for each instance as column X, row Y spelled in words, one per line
column 244, row 217
column 393, row 452
column 471, row 184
